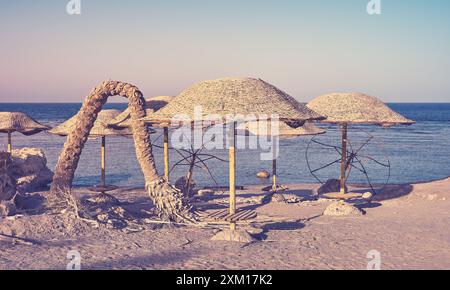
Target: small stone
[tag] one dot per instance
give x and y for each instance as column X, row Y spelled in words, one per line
column 293, row 200
column 432, row 197
column 103, row 217
column 263, row 174
column 205, row 192
column 367, row 195
column 342, row 208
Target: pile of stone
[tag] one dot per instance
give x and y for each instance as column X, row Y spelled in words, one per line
column 29, row 168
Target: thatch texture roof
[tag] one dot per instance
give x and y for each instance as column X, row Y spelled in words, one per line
column 264, row 128
column 356, row 108
column 19, row 122
column 234, row 96
column 100, row 126
column 152, row 105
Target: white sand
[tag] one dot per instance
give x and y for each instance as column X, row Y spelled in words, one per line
column 411, row 231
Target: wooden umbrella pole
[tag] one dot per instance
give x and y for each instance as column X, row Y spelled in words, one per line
column 344, row 157
column 166, row 153
column 192, row 163
column 9, row 142
column 274, row 175
column 232, row 167
column 275, row 140
column 103, row 161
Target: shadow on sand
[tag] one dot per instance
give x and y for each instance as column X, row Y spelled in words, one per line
column 151, row 261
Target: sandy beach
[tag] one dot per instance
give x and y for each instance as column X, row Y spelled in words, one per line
column 407, row 224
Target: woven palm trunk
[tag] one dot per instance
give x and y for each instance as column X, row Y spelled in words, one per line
column 168, row 200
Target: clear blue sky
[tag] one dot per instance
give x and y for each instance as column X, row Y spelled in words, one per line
column 306, row 48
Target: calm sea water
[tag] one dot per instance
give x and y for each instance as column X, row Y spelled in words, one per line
column 415, row 153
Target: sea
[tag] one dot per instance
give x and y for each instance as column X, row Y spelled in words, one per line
column 396, row 155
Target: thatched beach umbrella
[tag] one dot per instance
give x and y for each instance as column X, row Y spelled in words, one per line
column 100, row 130
column 11, row 122
column 233, row 96
column 152, row 105
column 284, row 131
column 354, row 108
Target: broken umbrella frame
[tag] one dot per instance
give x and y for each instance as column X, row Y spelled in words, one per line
column 193, row 158
column 350, row 158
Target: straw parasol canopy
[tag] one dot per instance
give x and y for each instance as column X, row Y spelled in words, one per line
column 152, row 105
column 20, row 122
column 356, row 108
column 284, row 130
column 228, row 100
column 100, row 128
column 11, row 122
column 234, row 96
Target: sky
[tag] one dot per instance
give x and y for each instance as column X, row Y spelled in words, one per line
column 305, row 47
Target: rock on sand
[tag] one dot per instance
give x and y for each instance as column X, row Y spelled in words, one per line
column 263, row 174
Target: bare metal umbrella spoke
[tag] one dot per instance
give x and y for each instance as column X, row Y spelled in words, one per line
column 284, row 131
column 100, row 130
column 345, row 109
column 11, row 122
column 237, row 97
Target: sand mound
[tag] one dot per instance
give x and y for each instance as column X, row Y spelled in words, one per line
column 239, row 236
column 341, row 208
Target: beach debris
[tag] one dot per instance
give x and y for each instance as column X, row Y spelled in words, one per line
column 263, row 174
column 342, row 208
column 29, row 167
column 239, row 236
column 7, row 181
column 331, row 185
column 293, row 200
column 16, row 240
column 102, row 199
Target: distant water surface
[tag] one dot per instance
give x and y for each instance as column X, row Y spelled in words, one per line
column 416, row 153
